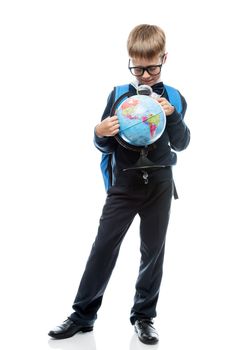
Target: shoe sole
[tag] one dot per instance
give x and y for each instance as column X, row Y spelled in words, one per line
column 61, row 336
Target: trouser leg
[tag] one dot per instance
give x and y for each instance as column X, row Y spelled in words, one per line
column 118, row 214
column 154, row 222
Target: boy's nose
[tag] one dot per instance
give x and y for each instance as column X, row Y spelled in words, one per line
column 145, row 74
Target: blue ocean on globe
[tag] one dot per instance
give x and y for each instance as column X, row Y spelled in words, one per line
column 142, row 120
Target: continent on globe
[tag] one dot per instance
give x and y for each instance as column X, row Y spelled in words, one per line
column 153, row 120
column 128, row 107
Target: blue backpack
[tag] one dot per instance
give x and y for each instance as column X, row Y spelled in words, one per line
column 106, row 168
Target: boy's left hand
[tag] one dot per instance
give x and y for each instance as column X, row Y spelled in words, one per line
column 168, row 108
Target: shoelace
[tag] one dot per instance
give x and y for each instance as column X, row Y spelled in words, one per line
column 145, row 322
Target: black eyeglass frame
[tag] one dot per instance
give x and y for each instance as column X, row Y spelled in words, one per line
column 145, row 69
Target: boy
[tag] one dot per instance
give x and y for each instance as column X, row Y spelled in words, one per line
column 130, row 195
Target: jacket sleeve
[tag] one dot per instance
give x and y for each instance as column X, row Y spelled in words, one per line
column 179, row 134
column 106, row 144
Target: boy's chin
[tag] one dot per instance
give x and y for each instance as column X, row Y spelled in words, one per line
column 150, row 82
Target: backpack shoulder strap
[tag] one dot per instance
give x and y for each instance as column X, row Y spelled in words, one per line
column 175, row 100
column 120, row 90
column 106, row 166
column 174, row 97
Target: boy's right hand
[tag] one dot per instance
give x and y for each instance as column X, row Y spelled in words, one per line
column 108, row 127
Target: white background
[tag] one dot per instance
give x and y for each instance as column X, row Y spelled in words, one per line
column 59, row 61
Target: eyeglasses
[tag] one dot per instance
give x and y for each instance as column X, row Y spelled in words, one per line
column 138, row 71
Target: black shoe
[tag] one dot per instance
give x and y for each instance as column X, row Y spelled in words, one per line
column 146, row 331
column 67, row 329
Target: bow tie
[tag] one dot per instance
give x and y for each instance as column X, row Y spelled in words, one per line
column 158, row 88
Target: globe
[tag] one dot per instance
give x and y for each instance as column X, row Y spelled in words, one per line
column 142, row 120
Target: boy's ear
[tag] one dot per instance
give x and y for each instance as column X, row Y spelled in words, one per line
column 164, row 57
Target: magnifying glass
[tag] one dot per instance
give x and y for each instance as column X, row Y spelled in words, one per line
column 144, row 90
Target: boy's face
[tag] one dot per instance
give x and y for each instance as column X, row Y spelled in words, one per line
column 147, row 71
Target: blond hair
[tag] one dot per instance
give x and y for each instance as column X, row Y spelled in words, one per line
column 146, row 41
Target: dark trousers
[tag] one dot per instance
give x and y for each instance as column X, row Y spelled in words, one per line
column 152, row 202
